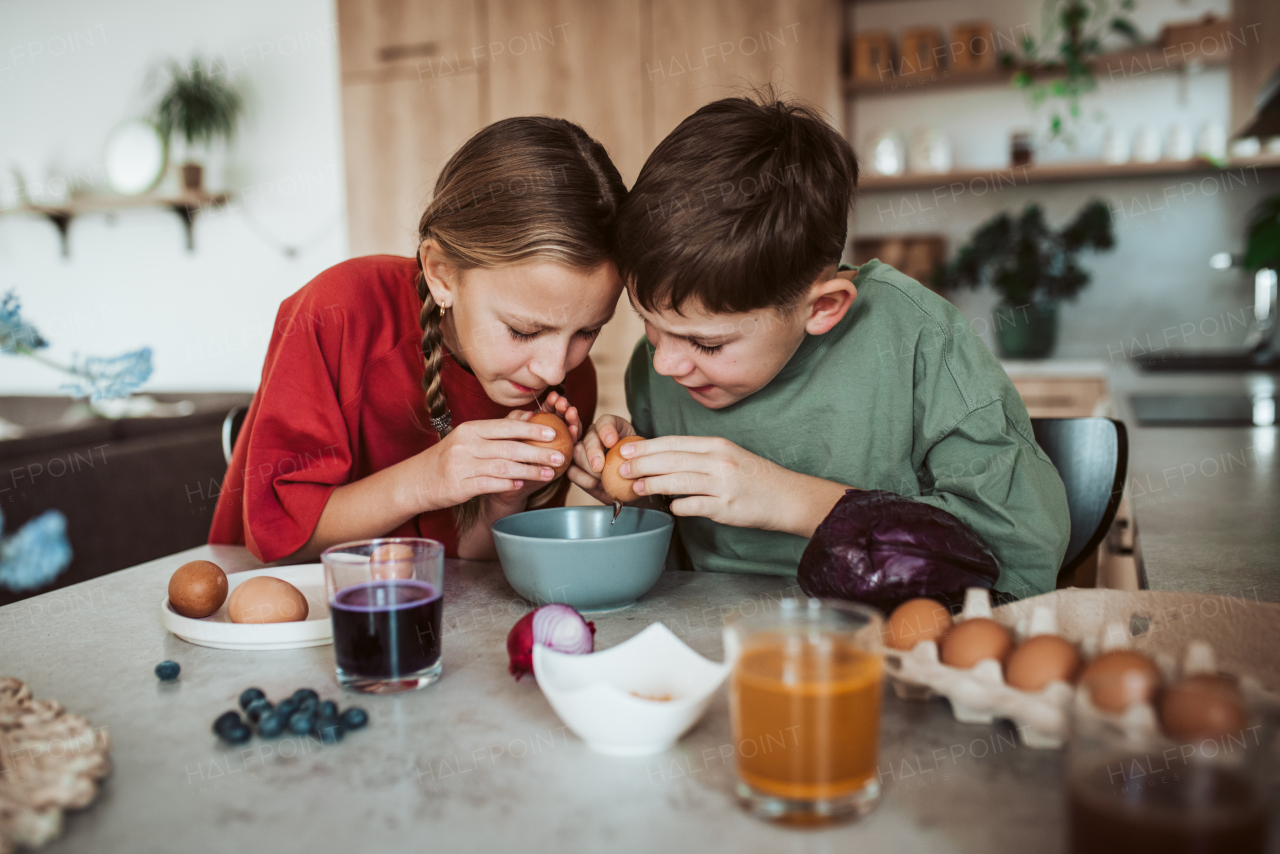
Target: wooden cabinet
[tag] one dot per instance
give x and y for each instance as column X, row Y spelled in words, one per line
column 1062, row 397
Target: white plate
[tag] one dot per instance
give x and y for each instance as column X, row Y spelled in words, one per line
column 217, row 630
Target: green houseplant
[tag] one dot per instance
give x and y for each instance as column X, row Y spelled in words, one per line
column 1033, row 268
column 1057, row 70
column 1262, row 245
column 201, row 107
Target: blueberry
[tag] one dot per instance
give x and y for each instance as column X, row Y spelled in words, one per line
column 257, row 709
column 354, row 718
column 249, row 695
column 226, row 721
column 301, row 722
column 271, row 725
column 237, row 734
column 167, row 670
column 287, row 708
column 329, row 709
column 303, row 693
column 308, row 705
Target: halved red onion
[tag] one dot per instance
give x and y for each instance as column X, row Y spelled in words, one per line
column 557, row 627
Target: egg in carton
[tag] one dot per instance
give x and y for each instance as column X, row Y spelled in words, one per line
column 1140, row 722
column 979, row 694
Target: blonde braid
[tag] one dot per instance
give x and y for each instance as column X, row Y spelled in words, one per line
column 467, row 513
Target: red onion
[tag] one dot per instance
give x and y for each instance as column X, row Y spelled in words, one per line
column 557, row 627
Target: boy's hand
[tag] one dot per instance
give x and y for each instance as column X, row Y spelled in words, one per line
column 588, row 455
column 729, row 485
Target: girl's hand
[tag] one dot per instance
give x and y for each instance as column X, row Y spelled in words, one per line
column 588, row 455
column 487, row 457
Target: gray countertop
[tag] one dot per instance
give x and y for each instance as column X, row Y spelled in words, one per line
column 1206, row 500
column 477, row 762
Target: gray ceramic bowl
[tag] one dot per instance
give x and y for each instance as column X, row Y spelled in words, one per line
column 574, row 556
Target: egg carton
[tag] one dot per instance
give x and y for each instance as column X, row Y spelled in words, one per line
column 979, row 695
column 1140, row 723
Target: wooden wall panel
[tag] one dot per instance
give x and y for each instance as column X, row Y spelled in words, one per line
column 404, row 111
column 590, row 75
column 704, row 51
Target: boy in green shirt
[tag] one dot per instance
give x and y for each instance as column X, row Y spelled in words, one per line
column 769, row 383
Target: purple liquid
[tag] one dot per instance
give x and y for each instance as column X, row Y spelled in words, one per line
column 386, row 629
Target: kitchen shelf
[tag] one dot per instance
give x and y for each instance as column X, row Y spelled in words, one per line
column 1116, row 65
column 186, row 205
column 1020, row 176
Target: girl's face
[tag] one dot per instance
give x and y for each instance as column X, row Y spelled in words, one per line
column 521, row 328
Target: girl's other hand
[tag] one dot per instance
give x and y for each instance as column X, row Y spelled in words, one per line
column 559, row 404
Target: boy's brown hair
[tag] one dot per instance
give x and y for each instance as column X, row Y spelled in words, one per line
column 741, row 207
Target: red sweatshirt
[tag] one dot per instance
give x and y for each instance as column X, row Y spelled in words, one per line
column 341, row 398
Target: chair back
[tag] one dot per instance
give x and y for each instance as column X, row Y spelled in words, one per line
column 231, row 429
column 1092, row 457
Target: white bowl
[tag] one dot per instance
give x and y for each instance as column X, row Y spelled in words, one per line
column 217, row 630
column 596, row 694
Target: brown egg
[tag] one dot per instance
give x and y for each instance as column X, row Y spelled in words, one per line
column 266, row 600
column 975, row 640
column 615, row 484
column 916, row 620
column 1041, row 660
column 1201, row 707
column 1119, row 679
column 197, row 588
column 563, row 442
column 391, row 560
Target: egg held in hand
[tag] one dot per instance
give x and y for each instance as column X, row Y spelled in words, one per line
column 621, row 488
column 975, row 640
column 914, row 621
column 197, row 589
column 266, row 600
column 563, row 442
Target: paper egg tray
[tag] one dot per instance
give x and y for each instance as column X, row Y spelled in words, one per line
column 979, row 694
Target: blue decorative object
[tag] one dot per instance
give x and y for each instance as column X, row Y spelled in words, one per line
column 34, row 556
column 17, row 337
column 94, row 377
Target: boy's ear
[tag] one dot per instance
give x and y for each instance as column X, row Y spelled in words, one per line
column 829, row 299
column 441, row 276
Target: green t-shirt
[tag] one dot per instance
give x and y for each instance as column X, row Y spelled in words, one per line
column 901, row 395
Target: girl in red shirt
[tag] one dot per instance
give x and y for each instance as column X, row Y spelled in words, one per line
column 396, row 391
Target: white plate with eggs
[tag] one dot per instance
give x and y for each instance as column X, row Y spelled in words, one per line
column 218, row 631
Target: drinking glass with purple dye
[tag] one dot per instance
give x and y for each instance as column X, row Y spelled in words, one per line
column 386, row 599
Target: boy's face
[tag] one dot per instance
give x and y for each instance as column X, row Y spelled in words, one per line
column 722, row 358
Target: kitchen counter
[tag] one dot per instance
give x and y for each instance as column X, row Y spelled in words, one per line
column 477, row 762
column 1205, row 500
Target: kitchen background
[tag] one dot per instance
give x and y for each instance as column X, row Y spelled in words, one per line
column 351, row 108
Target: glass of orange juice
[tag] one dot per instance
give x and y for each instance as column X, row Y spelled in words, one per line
column 804, row 701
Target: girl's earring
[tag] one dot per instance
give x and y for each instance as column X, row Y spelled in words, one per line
column 443, row 309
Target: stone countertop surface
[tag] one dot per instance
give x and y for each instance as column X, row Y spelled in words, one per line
column 477, row 762
column 1205, row 500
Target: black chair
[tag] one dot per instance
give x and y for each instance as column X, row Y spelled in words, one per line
column 1092, row 457
column 231, row 429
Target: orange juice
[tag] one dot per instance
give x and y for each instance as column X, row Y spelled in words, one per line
column 806, row 716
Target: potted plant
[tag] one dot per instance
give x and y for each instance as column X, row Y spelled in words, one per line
column 1074, row 32
column 199, row 106
column 1033, row 268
